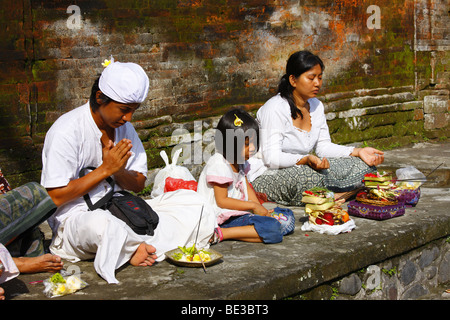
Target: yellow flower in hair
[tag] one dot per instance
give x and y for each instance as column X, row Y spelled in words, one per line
column 238, row 122
column 106, row 63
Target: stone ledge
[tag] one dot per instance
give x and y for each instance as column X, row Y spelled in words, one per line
column 303, row 260
column 420, row 273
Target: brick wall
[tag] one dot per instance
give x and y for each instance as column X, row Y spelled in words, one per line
column 386, row 80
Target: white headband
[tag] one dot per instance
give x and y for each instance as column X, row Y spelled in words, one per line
column 124, row 82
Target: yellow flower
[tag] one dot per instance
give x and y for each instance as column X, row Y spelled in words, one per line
column 238, row 122
column 106, row 63
column 60, row 288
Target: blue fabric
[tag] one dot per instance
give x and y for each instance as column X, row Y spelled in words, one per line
column 268, row 228
column 286, row 218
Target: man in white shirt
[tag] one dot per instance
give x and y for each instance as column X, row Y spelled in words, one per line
column 98, row 134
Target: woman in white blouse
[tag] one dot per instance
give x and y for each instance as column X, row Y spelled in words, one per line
column 296, row 149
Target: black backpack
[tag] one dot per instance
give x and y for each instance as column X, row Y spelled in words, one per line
column 131, row 209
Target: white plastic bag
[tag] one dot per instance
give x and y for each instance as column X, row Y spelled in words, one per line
column 410, row 176
column 170, row 170
column 57, row 285
column 331, row 230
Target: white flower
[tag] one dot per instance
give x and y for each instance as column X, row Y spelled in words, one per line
column 74, row 283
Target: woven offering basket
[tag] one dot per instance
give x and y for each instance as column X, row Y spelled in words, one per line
column 376, row 202
column 410, row 197
column 375, row 212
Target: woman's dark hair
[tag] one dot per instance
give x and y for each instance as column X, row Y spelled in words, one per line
column 93, row 98
column 298, row 63
column 233, row 129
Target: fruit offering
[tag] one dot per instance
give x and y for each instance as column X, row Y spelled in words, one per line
column 192, row 254
column 377, row 195
column 331, row 217
column 322, row 209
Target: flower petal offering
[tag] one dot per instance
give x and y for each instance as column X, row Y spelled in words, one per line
column 379, row 200
column 58, row 286
column 324, row 214
column 193, row 257
column 382, row 197
column 192, row 254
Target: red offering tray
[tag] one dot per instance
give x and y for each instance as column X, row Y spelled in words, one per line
column 375, row 212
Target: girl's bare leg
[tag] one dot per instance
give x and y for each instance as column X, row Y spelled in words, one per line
column 244, row 233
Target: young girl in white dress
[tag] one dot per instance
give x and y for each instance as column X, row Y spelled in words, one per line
column 223, row 182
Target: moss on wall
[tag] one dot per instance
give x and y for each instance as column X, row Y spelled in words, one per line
column 204, row 57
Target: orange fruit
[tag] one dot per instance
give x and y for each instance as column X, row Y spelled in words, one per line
column 345, row 217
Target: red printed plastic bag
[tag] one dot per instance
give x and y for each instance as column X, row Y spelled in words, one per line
column 173, row 184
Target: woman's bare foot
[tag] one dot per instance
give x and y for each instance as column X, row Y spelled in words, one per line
column 144, row 255
column 45, row 263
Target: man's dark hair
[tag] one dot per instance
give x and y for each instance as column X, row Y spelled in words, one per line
column 93, row 98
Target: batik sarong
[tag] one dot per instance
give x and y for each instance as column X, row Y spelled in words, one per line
column 285, row 186
column 22, row 210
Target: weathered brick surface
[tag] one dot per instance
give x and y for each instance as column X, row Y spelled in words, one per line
column 204, row 56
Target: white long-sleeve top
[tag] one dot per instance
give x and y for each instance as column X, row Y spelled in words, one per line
column 282, row 144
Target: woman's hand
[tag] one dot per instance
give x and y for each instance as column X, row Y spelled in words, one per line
column 315, row 162
column 370, row 156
